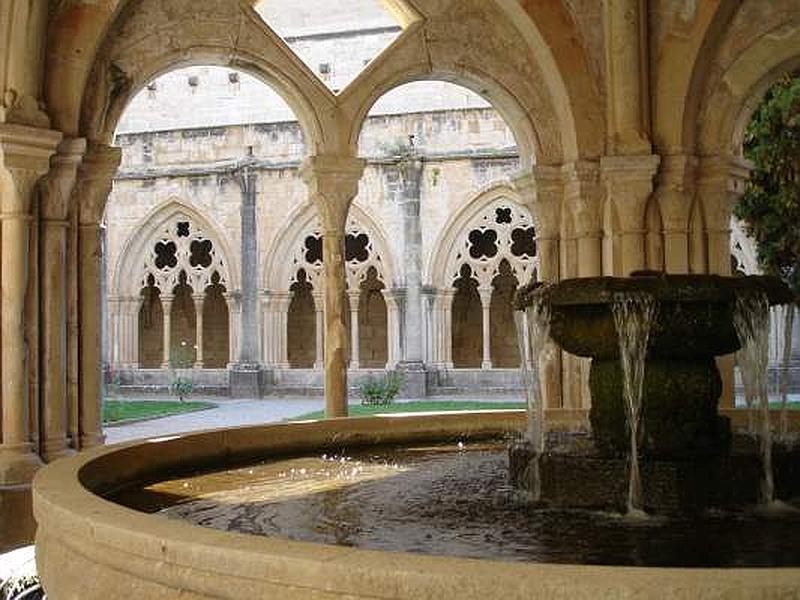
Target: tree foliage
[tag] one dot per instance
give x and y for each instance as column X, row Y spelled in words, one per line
column 770, row 207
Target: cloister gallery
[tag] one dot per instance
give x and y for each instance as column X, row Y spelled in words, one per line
column 394, row 171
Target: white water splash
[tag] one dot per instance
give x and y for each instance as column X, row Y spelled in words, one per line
column 751, row 319
column 634, row 313
column 533, row 334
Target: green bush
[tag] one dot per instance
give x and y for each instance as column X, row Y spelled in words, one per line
column 381, row 391
column 181, row 387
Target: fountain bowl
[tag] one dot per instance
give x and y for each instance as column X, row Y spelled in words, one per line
column 682, row 385
column 91, row 548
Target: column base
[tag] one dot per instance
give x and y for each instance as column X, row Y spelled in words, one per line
column 18, row 465
column 55, row 449
column 415, row 380
column 486, row 365
column 245, row 381
column 198, row 365
column 17, row 524
column 90, row 440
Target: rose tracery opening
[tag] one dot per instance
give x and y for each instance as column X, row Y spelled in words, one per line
column 166, row 255
column 483, row 244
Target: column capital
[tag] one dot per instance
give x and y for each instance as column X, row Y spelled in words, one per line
column 355, row 298
column 199, row 298
column 24, row 158
column 542, row 191
column 332, row 182
column 95, row 178
column 234, row 299
column 59, row 183
column 583, row 195
column 486, row 296
column 675, row 187
column 721, row 181
column 629, row 183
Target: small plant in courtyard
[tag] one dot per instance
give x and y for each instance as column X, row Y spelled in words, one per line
column 381, row 391
column 181, row 387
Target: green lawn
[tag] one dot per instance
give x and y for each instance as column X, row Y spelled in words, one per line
column 422, row 406
column 115, row 411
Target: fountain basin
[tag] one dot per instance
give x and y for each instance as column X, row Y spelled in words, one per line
column 693, row 325
column 89, row 547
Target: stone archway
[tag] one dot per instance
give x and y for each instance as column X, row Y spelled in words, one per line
column 177, row 260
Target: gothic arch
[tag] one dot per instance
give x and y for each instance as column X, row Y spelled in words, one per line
column 285, row 257
column 137, row 260
column 497, row 210
column 752, row 57
column 514, row 72
column 150, row 37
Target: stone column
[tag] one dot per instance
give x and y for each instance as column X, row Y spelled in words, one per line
column 721, row 182
column 55, row 205
column 26, row 152
column 199, row 300
column 446, row 335
column 333, row 183
column 234, row 302
column 319, row 330
column 134, row 307
column 584, row 194
column 115, row 329
column 486, row 306
column 674, row 194
column 393, row 299
column 355, row 298
column 166, row 309
column 428, row 309
column 245, row 376
column 542, row 191
column 95, row 177
column 629, row 184
column 283, row 301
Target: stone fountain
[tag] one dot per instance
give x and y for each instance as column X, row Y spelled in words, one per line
column 97, row 538
column 692, row 460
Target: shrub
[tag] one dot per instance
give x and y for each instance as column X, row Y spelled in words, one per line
column 381, row 391
column 181, row 387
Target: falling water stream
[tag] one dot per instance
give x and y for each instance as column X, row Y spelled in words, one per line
column 751, row 319
column 533, row 333
column 788, row 315
column 634, row 314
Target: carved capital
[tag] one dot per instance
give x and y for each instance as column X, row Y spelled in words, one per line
column 583, row 193
column 629, row 183
column 721, row 182
column 24, row 158
column 333, row 183
column 542, row 191
column 95, row 178
column 675, row 190
column 59, row 183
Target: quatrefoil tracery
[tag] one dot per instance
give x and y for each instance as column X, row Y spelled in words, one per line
column 180, row 249
column 502, row 231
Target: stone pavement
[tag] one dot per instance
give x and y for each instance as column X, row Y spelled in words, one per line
column 229, row 413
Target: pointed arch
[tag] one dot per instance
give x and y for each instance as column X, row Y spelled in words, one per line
column 452, row 249
column 284, row 258
column 133, row 265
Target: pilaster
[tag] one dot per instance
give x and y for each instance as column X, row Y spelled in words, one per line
column 25, row 154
